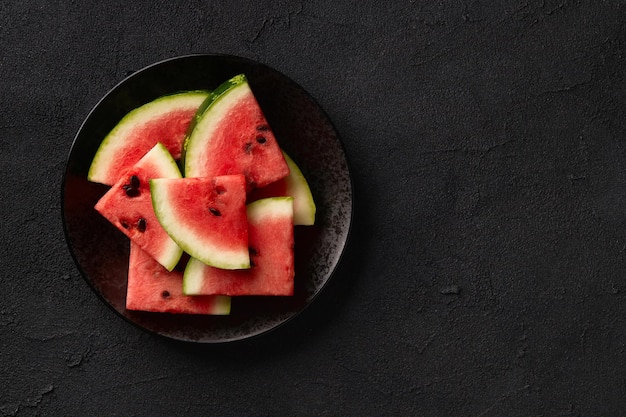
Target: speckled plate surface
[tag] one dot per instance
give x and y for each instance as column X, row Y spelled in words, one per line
column 303, row 130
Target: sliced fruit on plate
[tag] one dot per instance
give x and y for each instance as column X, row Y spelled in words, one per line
column 128, row 206
column 294, row 185
column 232, row 136
column 206, row 217
column 271, row 242
column 152, row 288
column 165, row 120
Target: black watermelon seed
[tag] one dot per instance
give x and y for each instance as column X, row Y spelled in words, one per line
column 131, row 192
column 215, row 211
column 134, row 181
column 124, row 224
column 165, row 294
column 263, row 128
column 261, row 139
column 141, row 225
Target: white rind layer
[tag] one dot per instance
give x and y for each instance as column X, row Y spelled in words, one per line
column 298, row 187
column 192, row 278
column 269, row 207
column 161, row 157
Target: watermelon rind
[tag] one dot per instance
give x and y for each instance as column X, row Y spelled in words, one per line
column 273, row 207
column 167, row 164
column 236, row 88
column 192, row 125
column 219, row 90
column 193, row 277
column 193, row 243
column 170, row 170
column 115, row 145
column 296, row 186
column 213, row 95
column 257, row 211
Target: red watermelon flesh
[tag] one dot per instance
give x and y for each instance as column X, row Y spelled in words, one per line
column 153, row 288
column 128, row 206
column 206, row 217
column 164, row 120
column 232, row 136
column 271, row 240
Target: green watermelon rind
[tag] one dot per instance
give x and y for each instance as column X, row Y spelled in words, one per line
column 209, row 254
column 170, row 170
column 271, row 206
column 278, row 207
column 167, row 162
column 213, row 95
column 115, row 139
column 192, row 277
column 196, row 140
column 297, row 186
column 192, row 125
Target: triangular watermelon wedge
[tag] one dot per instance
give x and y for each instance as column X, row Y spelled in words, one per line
column 128, row 206
column 152, row 288
column 206, row 217
column 165, row 120
column 271, row 256
column 232, row 136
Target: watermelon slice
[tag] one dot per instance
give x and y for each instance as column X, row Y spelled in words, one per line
column 152, row 288
column 232, row 136
column 294, row 185
column 206, row 217
column 271, row 252
column 128, row 206
column 163, row 120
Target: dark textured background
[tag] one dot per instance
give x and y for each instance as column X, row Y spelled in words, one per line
column 486, row 272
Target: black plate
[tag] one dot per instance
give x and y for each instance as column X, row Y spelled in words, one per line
column 302, row 129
